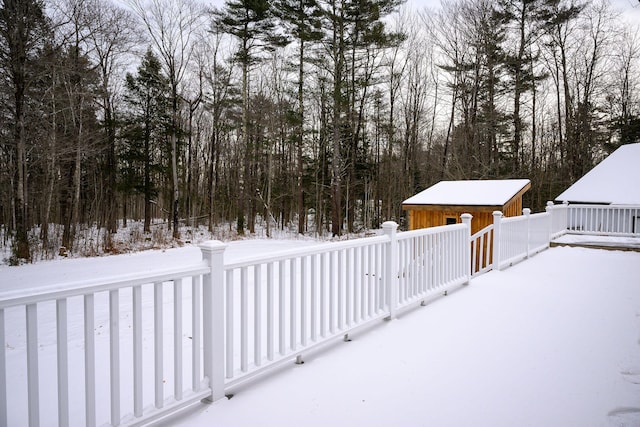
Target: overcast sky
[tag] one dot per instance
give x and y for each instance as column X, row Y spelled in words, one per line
column 629, row 8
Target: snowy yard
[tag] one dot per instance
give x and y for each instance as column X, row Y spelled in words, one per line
column 552, row 341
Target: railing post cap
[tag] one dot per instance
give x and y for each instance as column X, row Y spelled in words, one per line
column 549, row 203
column 497, row 213
column 526, row 211
column 466, row 216
column 212, row 246
column 390, row 225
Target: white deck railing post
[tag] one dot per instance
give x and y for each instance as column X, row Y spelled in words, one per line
column 527, row 214
column 213, row 317
column 497, row 218
column 466, row 220
column 391, row 267
column 549, row 210
column 565, row 214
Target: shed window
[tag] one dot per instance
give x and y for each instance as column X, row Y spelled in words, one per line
column 451, row 221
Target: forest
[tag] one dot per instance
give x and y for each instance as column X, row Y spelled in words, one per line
column 314, row 116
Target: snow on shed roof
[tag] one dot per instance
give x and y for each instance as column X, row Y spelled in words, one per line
column 614, row 180
column 470, row 193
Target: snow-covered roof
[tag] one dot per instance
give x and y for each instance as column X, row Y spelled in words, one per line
column 614, row 180
column 470, row 193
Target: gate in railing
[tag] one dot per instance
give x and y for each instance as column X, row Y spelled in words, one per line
column 482, row 250
column 176, row 337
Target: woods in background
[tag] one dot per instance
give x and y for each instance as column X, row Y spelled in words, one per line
column 319, row 116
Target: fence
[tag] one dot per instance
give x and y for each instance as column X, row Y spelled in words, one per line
column 171, row 338
column 512, row 239
column 153, row 344
column 604, row 220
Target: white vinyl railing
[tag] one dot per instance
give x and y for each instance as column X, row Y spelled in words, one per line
column 172, row 338
column 431, row 260
column 482, row 251
column 126, row 318
column 517, row 238
column 509, row 240
column 604, row 220
column 558, row 219
column 279, row 306
column 510, row 244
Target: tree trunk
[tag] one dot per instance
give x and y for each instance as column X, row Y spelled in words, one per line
column 300, row 171
column 174, row 161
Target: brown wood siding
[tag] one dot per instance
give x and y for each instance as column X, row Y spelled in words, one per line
column 513, row 208
column 423, row 219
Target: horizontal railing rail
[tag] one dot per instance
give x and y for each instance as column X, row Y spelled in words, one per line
column 27, row 296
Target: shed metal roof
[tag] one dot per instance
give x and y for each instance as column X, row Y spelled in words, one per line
column 470, row 193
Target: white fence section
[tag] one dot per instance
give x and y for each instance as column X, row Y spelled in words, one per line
column 509, row 240
column 175, row 337
column 558, row 219
column 604, row 220
column 431, row 260
column 68, row 327
column 279, row 306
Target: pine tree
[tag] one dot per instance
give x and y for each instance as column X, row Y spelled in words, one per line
column 302, row 18
column 355, row 33
column 146, row 132
column 252, row 23
column 23, row 28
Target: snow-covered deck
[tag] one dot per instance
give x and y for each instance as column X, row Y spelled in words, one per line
column 552, row 341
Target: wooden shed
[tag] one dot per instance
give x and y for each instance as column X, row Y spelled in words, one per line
column 444, row 202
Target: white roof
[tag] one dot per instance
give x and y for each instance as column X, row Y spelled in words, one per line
column 469, row 193
column 614, row 180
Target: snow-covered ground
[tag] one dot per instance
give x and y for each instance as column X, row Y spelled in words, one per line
column 552, row 341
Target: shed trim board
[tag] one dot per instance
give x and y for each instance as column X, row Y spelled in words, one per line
column 461, row 208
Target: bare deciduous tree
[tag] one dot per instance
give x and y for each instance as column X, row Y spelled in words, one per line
column 172, row 26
